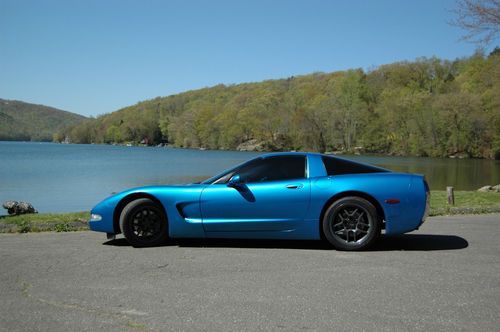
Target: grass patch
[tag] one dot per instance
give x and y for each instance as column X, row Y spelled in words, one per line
column 136, row 325
column 59, row 222
column 466, row 202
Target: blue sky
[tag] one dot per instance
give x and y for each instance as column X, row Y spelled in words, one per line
column 94, row 56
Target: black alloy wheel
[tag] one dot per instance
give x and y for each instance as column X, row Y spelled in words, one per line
column 143, row 223
column 351, row 223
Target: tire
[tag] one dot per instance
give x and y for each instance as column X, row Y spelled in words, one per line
column 143, row 223
column 351, row 223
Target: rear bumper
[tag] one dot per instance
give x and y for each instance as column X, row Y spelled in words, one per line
column 427, row 204
column 427, row 201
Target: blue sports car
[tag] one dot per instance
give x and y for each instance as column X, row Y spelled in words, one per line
column 303, row 196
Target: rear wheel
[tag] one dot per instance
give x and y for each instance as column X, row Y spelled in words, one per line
column 351, row 223
column 143, row 223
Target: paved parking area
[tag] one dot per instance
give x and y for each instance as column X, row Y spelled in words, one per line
column 446, row 276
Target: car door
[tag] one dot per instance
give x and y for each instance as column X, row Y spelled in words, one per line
column 272, row 194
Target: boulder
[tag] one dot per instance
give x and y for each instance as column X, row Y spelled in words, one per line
column 16, row 208
column 9, row 205
column 259, row 146
column 484, row 189
column 251, row 145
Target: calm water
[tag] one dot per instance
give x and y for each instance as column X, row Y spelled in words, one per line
column 59, row 177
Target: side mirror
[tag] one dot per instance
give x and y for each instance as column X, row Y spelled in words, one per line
column 234, row 181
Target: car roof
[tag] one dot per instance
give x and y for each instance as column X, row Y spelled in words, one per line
column 290, row 153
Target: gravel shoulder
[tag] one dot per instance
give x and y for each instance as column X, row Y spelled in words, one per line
column 444, row 276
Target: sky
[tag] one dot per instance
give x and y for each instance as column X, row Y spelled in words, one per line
column 95, row 56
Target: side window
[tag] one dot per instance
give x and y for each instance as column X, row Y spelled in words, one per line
column 273, row 169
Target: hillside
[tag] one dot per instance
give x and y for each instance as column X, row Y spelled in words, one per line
column 22, row 121
column 428, row 107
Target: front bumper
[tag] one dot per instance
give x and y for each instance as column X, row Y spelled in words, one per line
column 105, row 223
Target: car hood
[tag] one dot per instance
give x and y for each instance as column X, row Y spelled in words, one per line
column 113, row 200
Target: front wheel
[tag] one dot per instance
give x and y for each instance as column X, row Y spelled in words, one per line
column 143, row 223
column 351, row 223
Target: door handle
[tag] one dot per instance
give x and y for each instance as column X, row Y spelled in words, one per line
column 294, row 186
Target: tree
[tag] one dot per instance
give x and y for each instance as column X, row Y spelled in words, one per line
column 481, row 18
column 347, row 94
column 461, row 112
column 57, row 137
column 112, row 134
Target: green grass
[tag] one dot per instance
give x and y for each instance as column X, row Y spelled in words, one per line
column 59, row 222
column 466, row 202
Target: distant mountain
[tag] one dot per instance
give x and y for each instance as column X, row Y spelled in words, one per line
column 20, row 121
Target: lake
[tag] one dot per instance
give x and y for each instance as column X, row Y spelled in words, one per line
column 71, row 177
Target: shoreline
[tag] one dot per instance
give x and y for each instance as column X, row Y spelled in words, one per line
column 338, row 153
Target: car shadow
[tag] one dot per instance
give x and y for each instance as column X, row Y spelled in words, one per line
column 419, row 242
column 405, row 242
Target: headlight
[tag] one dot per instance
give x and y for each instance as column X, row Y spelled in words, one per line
column 95, row 217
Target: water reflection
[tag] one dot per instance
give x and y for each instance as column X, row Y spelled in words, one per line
column 463, row 174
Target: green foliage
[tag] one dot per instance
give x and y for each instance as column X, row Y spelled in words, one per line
column 428, row 107
column 57, row 137
column 24, row 226
column 62, row 227
column 24, row 122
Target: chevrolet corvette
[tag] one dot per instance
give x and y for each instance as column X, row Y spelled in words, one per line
column 301, row 196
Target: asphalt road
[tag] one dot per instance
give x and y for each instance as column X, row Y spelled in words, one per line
column 446, row 276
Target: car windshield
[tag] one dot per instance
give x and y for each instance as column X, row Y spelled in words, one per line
column 219, row 178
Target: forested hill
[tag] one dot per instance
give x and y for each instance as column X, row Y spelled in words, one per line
column 21, row 121
column 429, row 107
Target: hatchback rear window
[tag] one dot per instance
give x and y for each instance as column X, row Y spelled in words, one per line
column 338, row 166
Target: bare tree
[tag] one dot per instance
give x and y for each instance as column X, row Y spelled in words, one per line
column 481, row 18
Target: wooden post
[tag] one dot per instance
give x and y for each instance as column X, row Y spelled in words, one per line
column 451, row 195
